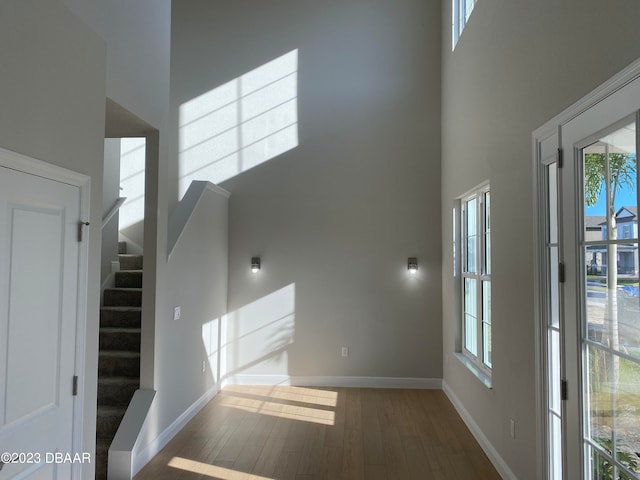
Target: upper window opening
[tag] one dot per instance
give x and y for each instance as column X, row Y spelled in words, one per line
column 461, row 12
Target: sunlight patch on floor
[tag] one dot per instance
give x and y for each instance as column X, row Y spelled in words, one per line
column 313, row 396
column 276, row 409
column 212, row 471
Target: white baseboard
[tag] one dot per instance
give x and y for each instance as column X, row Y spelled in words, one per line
column 495, row 458
column 143, row 457
column 324, row 381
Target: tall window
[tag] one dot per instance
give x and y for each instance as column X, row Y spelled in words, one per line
column 461, row 12
column 476, row 277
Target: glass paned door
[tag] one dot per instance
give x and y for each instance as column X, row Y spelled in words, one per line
column 610, row 305
column 588, row 286
column 599, row 325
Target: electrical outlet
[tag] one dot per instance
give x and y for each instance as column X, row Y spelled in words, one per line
column 345, row 351
column 512, row 426
column 176, row 313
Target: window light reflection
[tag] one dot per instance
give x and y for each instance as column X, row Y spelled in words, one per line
column 240, row 124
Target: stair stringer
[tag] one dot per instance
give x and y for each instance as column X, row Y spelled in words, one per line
column 180, row 217
column 123, row 447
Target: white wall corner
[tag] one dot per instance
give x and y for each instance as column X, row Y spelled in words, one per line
column 491, row 452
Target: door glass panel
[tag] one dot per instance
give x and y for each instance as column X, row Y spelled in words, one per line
column 611, row 306
column 552, row 202
column 627, row 414
column 553, row 327
column 613, row 299
column 555, row 441
column 554, row 370
column 599, row 421
column 600, row 466
column 610, row 185
column 600, row 299
column 554, row 317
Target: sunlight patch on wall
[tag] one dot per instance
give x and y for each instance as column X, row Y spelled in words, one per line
column 211, row 342
column 211, row 471
column 240, row 124
column 132, row 163
column 255, row 337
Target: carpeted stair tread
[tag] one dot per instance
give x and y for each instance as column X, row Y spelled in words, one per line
column 116, row 391
column 130, row 262
column 108, row 421
column 118, row 363
column 123, row 297
column 118, row 316
column 128, row 279
column 121, row 354
column 120, row 330
column 120, row 339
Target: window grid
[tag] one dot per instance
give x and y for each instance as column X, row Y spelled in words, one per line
column 461, row 10
column 476, row 278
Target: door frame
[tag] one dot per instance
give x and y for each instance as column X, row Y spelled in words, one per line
column 542, row 138
column 32, row 166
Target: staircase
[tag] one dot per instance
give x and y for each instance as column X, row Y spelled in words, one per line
column 119, row 352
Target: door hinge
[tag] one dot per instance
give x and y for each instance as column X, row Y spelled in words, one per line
column 561, row 275
column 74, row 388
column 80, row 226
column 560, row 158
column 563, row 389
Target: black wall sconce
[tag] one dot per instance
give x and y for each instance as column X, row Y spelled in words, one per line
column 412, row 265
column 255, row 264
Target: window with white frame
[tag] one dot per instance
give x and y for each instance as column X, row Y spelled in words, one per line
column 475, row 273
column 461, row 12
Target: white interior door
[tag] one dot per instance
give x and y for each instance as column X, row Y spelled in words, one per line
column 600, row 300
column 38, row 306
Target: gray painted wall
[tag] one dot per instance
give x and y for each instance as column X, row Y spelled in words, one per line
column 137, row 35
column 337, row 216
column 52, row 92
column 517, row 65
column 198, row 284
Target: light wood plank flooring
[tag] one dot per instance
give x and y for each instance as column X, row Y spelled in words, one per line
column 281, row 433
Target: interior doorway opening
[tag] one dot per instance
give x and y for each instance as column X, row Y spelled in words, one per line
column 127, row 327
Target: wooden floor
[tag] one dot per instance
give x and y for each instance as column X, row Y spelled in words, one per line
column 265, row 433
